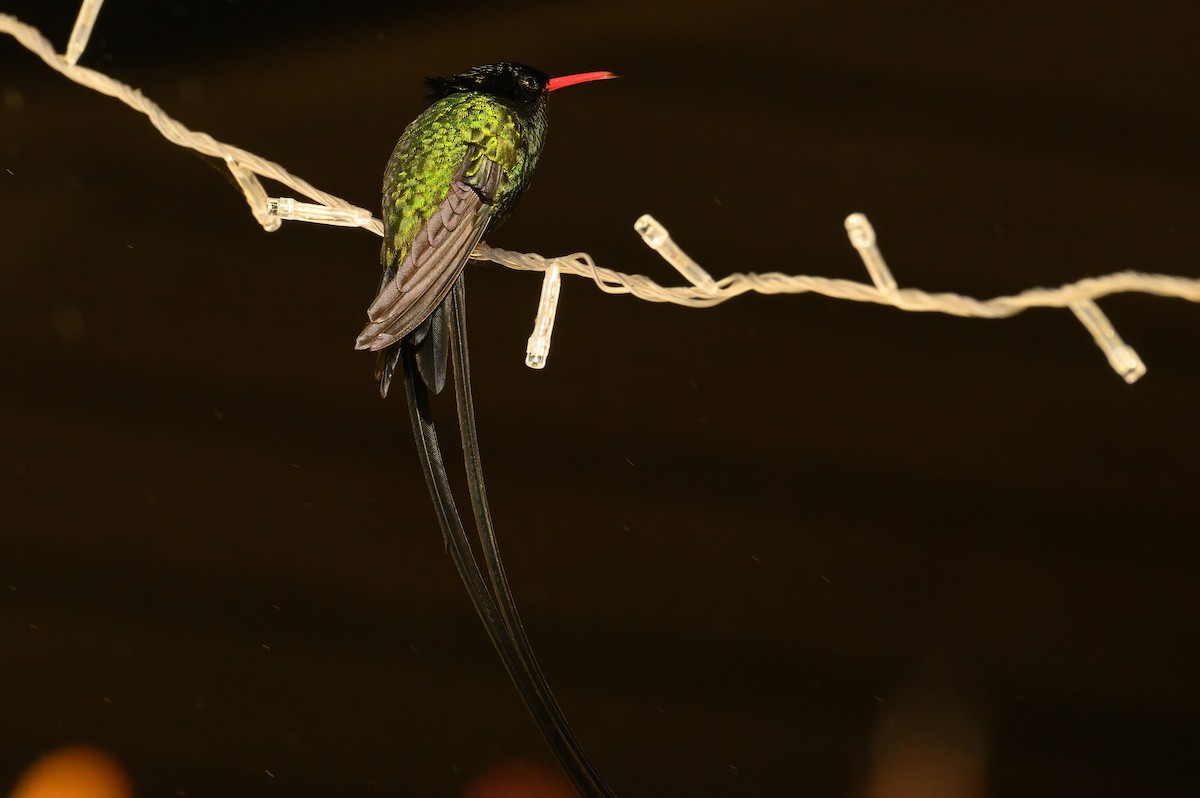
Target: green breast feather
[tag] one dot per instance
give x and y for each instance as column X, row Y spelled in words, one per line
column 429, row 154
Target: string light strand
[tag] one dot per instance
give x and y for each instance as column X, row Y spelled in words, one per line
column 701, row 291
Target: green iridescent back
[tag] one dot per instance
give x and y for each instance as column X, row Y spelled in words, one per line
column 432, row 149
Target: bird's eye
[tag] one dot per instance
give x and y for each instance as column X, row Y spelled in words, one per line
column 528, row 83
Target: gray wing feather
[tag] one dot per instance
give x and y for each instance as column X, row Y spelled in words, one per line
column 436, row 258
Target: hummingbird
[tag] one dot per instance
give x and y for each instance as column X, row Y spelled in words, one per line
column 455, row 175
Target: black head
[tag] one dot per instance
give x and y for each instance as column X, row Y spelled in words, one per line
column 519, row 85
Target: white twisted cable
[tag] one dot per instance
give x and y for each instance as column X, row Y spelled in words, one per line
column 245, row 165
column 911, row 299
column 703, row 291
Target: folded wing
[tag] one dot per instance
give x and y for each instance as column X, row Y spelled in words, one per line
column 438, row 254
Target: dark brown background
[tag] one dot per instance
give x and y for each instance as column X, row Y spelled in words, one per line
column 783, row 547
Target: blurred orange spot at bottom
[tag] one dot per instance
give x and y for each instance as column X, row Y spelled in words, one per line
column 520, row 779
column 77, row 772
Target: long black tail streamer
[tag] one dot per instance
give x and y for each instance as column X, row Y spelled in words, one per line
column 499, row 612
